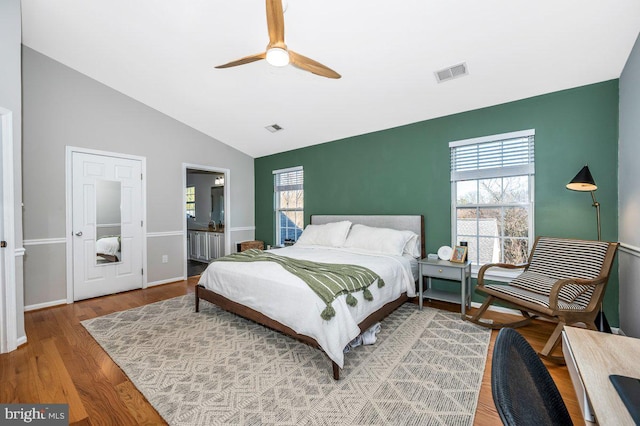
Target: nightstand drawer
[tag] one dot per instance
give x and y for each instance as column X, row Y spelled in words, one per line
column 438, row 271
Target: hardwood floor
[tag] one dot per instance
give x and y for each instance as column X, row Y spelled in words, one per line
column 62, row 363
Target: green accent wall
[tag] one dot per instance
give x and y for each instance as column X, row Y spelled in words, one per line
column 405, row 170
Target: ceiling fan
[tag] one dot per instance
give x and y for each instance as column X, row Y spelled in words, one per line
column 277, row 53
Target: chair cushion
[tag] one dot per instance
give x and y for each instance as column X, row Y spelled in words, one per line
column 539, row 299
column 542, row 284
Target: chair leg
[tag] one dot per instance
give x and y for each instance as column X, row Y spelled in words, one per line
column 552, row 344
column 495, row 326
column 481, row 310
column 591, row 325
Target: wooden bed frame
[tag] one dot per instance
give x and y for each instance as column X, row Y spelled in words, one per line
column 379, row 315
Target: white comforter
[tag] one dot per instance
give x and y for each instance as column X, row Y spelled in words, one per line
column 108, row 245
column 268, row 288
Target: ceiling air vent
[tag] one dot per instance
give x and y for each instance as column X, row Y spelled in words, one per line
column 274, row 128
column 452, row 72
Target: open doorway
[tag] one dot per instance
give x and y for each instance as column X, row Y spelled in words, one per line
column 205, row 212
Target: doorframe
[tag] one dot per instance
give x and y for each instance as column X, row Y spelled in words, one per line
column 69, row 151
column 8, row 291
column 227, row 207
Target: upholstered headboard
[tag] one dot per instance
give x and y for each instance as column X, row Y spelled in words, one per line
column 414, row 223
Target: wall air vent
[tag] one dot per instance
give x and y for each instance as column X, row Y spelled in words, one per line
column 274, row 128
column 450, row 73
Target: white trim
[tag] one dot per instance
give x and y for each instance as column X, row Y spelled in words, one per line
column 69, row 150
column 19, row 251
column 21, row 340
column 288, row 169
column 45, row 305
column 106, row 225
column 8, row 291
column 165, row 234
column 496, row 274
column 629, row 249
column 492, row 138
column 167, row 281
column 503, row 310
column 227, row 206
column 494, row 308
column 43, row 241
column 242, row 228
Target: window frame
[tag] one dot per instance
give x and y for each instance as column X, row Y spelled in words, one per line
column 187, row 202
column 276, row 200
column 485, row 171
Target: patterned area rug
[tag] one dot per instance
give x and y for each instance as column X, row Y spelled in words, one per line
column 214, row 367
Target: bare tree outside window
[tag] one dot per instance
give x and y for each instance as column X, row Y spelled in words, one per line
column 493, row 213
column 289, row 205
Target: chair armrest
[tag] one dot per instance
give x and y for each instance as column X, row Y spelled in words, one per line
column 555, row 290
column 486, row 266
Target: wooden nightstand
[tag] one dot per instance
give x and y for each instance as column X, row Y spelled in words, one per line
column 445, row 270
column 246, row 245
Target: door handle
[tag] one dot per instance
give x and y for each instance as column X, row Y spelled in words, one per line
column 79, row 234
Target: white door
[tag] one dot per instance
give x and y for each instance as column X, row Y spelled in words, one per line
column 107, row 224
column 8, row 308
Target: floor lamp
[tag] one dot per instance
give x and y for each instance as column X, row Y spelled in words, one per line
column 584, row 182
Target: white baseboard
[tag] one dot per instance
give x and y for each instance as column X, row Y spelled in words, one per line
column 45, row 305
column 167, row 281
column 494, row 308
column 21, row 340
column 503, row 310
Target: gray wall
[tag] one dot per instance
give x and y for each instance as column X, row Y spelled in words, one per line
column 65, row 108
column 629, row 196
column 10, row 99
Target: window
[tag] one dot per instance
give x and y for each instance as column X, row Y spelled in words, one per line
column 289, row 204
column 492, row 196
column 191, row 201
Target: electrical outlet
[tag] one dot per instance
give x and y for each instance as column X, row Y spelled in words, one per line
column 165, row 258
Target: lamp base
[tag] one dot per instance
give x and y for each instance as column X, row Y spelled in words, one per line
column 602, row 323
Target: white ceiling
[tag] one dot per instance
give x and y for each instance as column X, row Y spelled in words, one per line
column 163, row 52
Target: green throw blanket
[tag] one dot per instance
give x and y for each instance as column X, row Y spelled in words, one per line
column 327, row 280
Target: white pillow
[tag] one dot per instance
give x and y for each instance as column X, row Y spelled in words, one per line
column 330, row 234
column 412, row 248
column 378, row 240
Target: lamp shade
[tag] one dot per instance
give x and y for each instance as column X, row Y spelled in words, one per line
column 583, row 181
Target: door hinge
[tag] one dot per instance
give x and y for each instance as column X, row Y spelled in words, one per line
column 142, row 271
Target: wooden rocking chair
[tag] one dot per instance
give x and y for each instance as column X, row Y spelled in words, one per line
column 564, row 281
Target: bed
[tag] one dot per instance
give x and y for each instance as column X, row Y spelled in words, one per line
column 266, row 293
column 108, row 249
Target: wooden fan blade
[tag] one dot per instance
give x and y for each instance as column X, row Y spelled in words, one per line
column 310, row 65
column 245, row 60
column 275, row 23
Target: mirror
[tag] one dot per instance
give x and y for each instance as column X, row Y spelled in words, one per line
column 108, row 221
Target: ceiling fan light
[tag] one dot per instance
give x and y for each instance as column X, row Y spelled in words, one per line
column 277, row 57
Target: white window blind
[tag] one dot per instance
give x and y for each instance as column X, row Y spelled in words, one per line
column 508, row 154
column 288, row 179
